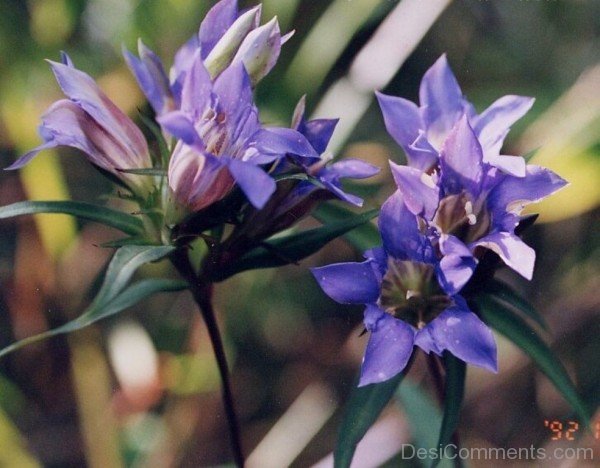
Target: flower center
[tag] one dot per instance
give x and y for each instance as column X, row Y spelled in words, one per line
column 457, row 215
column 214, row 132
column 410, row 292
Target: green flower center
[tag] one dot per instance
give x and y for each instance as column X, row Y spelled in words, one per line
column 410, row 292
column 459, row 216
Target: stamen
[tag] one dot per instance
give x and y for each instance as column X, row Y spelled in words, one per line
column 469, row 208
column 411, row 293
column 471, row 218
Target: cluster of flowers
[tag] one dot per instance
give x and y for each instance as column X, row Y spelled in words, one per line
column 205, row 109
column 456, row 197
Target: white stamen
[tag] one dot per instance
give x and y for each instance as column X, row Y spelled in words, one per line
column 411, row 293
column 471, row 218
column 469, row 208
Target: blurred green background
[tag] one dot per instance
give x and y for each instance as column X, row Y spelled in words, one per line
column 142, row 389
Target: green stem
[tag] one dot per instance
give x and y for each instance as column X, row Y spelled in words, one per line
column 202, row 293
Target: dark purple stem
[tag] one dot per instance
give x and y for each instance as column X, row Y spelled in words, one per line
column 202, row 293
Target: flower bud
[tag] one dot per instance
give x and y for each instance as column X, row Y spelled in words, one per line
column 225, row 49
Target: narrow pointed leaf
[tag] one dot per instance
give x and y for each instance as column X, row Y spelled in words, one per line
column 504, row 293
column 123, row 265
column 362, row 409
column 295, row 247
column 95, row 312
column 147, row 171
column 163, row 147
column 115, row 244
column 362, row 238
column 423, row 415
column 508, row 323
column 456, row 372
column 124, row 222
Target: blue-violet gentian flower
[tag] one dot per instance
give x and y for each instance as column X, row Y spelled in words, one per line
column 406, row 305
column 89, row 121
column 222, row 141
column 422, row 130
column 467, row 204
column 226, row 37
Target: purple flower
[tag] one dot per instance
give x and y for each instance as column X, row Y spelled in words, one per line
column 226, row 37
column 89, row 121
column 422, row 130
column 406, row 305
column 466, row 204
column 321, row 169
column 222, row 140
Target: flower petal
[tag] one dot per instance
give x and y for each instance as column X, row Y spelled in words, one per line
column 461, row 332
column 399, row 230
column 318, row 132
column 182, row 62
column 421, row 154
column 66, row 124
column 279, row 141
column 82, row 90
column 151, row 77
column 234, row 92
column 389, row 348
column 353, row 169
column 441, row 100
column 197, row 89
column 512, row 194
column 461, row 160
column 512, row 250
column 260, row 50
column 349, row 283
column 456, row 266
column 216, row 22
column 179, row 124
column 256, row 184
column 493, row 123
column 421, row 194
column 513, row 165
column 402, row 119
column 224, row 50
column 198, row 179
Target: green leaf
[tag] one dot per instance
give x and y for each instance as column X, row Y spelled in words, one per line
column 423, row 416
column 117, row 219
column 95, row 312
column 147, row 171
column 363, row 238
column 115, row 244
column 111, row 298
column 293, row 248
column 124, row 264
column 163, row 147
column 504, row 293
column 456, row 372
column 511, row 325
column 362, row 409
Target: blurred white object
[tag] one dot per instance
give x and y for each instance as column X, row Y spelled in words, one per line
column 133, row 357
column 294, row 430
column 377, row 63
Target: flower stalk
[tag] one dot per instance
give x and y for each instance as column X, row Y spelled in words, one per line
column 202, row 291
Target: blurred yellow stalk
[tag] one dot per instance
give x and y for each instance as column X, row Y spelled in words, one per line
column 42, row 178
column 13, row 453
